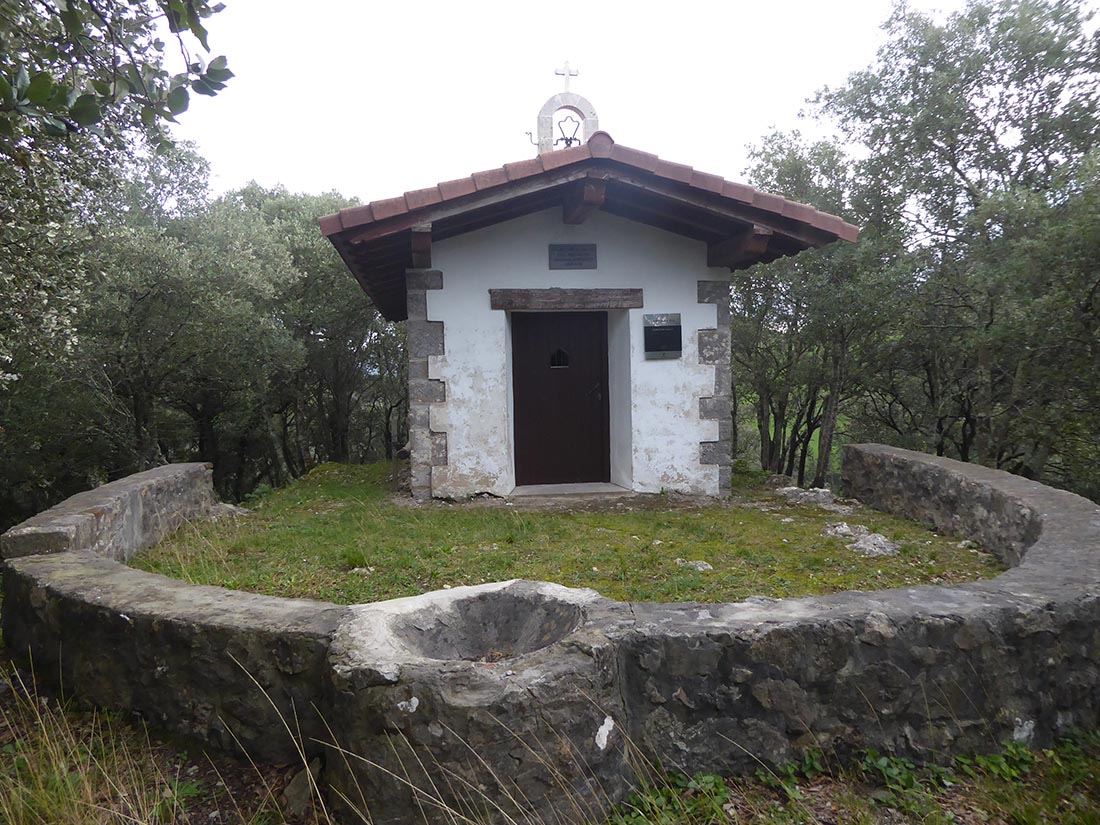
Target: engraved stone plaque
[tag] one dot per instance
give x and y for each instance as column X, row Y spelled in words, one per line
column 572, row 256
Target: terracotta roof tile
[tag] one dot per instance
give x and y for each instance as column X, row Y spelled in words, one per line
column 737, row 191
column 673, row 171
column 419, row 198
column 489, row 178
column 800, row 212
column 600, row 145
column 709, row 183
column 355, row 215
column 523, row 169
column 770, row 203
column 457, row 188
column 848, row 232
column 331, row 224
column 564, row 157
column 829, row 223
column 634, row 157
column 388, row 208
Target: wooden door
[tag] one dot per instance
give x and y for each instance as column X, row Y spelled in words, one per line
column 559, row 382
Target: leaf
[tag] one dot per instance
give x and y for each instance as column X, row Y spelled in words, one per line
column 218, row 63
column 40, row 89
column 195, row 24
column 54, row 127
column 218, row 75
column 73, row 22
column 85, row 111
column 203, row 88
column 6, row 90
column 22, row 81
column 178, row 100
column 6, row 128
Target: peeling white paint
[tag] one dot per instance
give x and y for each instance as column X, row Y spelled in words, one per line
column 656, row 436
column 409, row 706
column 604, row 731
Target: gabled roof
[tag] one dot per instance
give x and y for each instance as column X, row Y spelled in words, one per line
column 740, row 224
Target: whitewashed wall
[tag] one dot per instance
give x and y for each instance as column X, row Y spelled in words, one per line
column 655, row 440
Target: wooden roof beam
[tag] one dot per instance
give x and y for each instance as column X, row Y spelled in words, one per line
column 421, row 246
column 581, row 201
column 749, row 245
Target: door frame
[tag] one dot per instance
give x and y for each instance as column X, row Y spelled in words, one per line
column 607, row 471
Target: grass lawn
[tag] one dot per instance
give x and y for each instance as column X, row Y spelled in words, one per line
column 339, row 535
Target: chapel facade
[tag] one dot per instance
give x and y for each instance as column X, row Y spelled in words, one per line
column 568, row 316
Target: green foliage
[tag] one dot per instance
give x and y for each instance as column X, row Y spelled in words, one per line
column 966, row 321
column 83, row 89
column 902, row 787
column 786, row 777
column 679, row 800
column 65, row 66
column 1010, row 765
column 226, row 331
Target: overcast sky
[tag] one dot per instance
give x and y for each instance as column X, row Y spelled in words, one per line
column 375, row 98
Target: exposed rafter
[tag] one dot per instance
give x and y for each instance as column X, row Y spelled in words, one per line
column 581, row 201
column 421, row 246
column 751, row 244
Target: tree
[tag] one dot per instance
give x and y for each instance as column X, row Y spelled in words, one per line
column 83, row 87
column 66, row 64
column 998, row 104
column 347, row 400
column 803, row 327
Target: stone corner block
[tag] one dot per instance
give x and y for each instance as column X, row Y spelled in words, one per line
column 714, row 292
column 714, row 407
column 714, row 346
column 715, row 452
column 425, row 338
column 439, row 449
column 424, row 279
column 427, row 391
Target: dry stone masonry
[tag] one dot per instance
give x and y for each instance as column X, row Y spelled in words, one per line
column 536, row 696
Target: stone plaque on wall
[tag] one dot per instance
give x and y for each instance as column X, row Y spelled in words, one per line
column 572, row 256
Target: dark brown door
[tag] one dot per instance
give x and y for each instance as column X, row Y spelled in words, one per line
column 559, row 381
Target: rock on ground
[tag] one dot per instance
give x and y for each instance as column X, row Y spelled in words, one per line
column 874, row 545
column 701, row 566
column 844, row 530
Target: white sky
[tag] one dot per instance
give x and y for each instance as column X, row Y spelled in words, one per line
column 375, row 98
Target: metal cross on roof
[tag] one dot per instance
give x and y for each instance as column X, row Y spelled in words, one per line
column 567, row 73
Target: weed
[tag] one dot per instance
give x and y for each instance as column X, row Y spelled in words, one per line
column 786, row 777
column 1010, row 765
column 676, row 800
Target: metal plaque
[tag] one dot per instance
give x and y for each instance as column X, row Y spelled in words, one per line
column 663, row 336
column 572, row 256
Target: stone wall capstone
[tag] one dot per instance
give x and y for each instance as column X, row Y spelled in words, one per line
column 119, row 519
column 532, row 696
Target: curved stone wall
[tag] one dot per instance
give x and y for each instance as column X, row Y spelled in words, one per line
column 551, row 692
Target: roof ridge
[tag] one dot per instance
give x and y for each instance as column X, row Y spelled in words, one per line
column 599, row 146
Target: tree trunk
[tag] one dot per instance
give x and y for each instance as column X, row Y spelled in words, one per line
column 829, row 416
column 280, row 467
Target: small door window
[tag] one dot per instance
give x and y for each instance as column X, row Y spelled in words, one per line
column 559, row 359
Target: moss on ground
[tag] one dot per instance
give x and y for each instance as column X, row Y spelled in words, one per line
column 339, row 535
